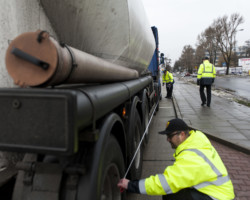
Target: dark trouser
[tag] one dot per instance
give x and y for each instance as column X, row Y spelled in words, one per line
column 187, row 194
column 169, row 88
column 202, row 94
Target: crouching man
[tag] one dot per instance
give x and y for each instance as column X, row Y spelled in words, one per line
column 197, row 173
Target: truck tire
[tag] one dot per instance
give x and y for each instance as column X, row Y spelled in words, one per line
column 112, row 170
column 134, row 137
column 104, row 161
column 157, row 107
column 100, row 182
column 157, row 97
column 145, row 118
column 160, row 94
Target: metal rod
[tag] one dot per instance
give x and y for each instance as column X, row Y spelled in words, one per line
column 140, row 142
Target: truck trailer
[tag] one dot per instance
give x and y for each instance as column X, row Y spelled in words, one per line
column 82, row 99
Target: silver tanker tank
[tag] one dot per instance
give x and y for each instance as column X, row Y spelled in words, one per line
column 37, row 59
column 115, row 30
column 109, row 41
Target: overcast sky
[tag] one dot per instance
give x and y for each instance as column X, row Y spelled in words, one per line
column 179, row 22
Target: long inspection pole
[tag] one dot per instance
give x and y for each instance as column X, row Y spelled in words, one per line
column 139, row 145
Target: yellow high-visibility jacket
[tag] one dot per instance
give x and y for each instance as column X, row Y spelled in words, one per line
column 197, row 165
column 206, row 73
column 167, row 77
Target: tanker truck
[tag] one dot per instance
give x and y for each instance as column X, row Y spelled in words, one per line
column 80, row 84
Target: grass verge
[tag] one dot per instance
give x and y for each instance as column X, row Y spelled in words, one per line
column 243, row 102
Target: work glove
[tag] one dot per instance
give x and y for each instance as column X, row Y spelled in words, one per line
column 169, row 85
column 213, row 80
column 162, row 84
column 198, row 82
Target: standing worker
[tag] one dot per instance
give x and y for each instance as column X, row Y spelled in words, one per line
column 205, row 78
column 197, row 173
column 167, row 78
column 162, row 63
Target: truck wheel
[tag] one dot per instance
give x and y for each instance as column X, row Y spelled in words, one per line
column 145, row 113
column 134, row 139
column 157, row 97
column 157, row 107
column 160, row 94
column 112, row 171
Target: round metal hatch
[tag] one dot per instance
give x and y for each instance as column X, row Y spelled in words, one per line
column 31, row 59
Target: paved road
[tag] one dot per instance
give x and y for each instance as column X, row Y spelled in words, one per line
column 237, row 85
column 240, row 85
column 223, row 118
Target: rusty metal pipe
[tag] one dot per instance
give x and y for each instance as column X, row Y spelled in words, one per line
column 36, row 59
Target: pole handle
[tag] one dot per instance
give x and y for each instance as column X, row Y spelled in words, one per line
column 25, row 56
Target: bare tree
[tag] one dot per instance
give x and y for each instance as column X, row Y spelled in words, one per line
column 207, row 40
column 226, row 30
column 177, row 66
column 199, row 54
column 187, row 58
column 220, row 60
column 234, row 59
column 247, row 48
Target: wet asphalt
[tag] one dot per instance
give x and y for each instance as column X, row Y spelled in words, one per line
column 239, row 85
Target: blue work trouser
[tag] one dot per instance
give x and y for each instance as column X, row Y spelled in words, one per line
column 202, row 94
column 169, row 88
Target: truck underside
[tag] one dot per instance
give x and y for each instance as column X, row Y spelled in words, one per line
column 77, row 140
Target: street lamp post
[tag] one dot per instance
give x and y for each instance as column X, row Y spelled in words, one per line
column 235, row 38
column 213, row 47
column 236, row 64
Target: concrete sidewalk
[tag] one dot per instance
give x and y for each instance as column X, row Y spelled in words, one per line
column 225, row 121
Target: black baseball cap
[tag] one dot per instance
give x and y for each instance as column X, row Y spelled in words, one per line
column 174, row 125
column 205, row 58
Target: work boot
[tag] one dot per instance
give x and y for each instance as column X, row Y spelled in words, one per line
column 203, row 104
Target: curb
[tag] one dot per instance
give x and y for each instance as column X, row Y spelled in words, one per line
column 228, row 143
column 176, row 108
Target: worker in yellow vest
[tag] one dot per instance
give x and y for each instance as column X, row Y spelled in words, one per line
column 205, row 78
column 197, row 173
column 168, row 79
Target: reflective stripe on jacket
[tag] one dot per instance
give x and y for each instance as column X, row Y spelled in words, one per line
column 167, row 77
column 197, row 165
column 206, row 70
